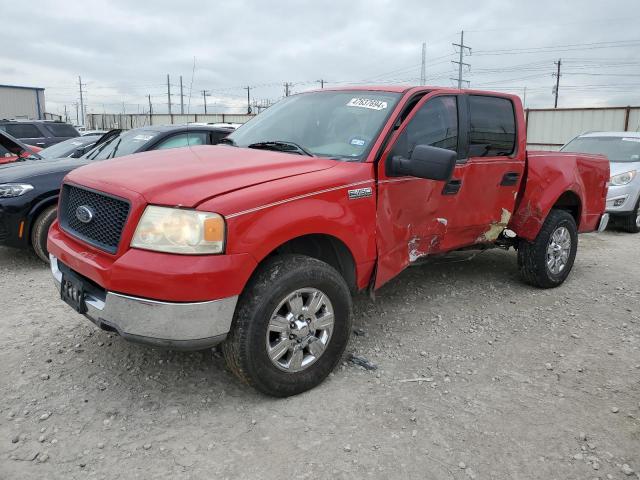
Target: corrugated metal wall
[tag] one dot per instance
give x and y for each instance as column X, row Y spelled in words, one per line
column 129, row 121
column 21, row 102
column 549, row 129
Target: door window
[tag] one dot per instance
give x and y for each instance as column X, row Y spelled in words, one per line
column 435, row 124
column 22, row 130
column 183, row 140
column 493, row 126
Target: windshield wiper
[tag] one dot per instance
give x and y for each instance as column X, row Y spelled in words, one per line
column 281, row 146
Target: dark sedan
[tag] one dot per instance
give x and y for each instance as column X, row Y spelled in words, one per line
column 29, row 189
column 73, row 148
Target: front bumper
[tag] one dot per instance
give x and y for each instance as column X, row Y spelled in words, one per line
column 178, row 325
column 623, row 199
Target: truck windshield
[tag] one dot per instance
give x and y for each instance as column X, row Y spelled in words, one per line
column 123, row 144
column 617, row 149
column 337, row 124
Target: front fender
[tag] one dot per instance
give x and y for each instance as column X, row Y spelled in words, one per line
column 262, row 231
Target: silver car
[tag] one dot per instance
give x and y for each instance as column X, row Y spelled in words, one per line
column 623, row 151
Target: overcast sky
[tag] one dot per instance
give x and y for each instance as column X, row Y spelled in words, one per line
column 125, row 49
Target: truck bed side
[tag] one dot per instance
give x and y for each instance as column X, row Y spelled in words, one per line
column 576, row 182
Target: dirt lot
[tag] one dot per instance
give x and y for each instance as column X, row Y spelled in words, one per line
column 519, row 383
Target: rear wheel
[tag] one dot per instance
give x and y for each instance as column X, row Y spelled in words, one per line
column 40, row 230
column 547, row 261
column 291, row 326
column 631, row 223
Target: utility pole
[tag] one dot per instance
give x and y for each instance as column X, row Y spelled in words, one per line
column 460, row 63
column 168, row 94
column 423, row 70
column 524, row 99
column 81, row 100
column 77, row 119
column 205, row 94
column 286, row 88
column 150, row 110
column 321, row 82
column 557, row 87
column 181, row 98
column 66, row 117
column 248, row 89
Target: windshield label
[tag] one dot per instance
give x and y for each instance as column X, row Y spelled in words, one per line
column 358, row 142
column 367, row 103
column 631, row 139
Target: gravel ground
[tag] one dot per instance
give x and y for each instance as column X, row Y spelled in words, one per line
column 518, row 383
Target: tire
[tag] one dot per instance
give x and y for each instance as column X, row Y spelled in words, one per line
column 39, row 232
column 247, row 347
column 631, row 223
column 533, row 257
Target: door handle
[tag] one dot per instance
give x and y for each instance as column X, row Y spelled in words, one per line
column 452, row 187
column 510, row 179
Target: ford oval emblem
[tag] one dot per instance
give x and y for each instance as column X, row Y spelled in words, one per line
column 84, row 214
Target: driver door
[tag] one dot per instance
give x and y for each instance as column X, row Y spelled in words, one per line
column 408, row 220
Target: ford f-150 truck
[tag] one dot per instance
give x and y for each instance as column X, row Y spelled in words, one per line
column 258, row 244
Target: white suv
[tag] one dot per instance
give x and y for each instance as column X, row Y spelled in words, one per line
column 623, row 151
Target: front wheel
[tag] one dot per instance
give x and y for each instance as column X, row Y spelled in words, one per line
column 631, row 223
column 291, row 326
column 40, row 230
column 547, row 261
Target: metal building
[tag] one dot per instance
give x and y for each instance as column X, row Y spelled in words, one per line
column 21, row 102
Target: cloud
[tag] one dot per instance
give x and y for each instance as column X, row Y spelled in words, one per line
column 124, row 50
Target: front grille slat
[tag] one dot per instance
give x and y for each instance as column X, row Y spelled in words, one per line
column 109, row 217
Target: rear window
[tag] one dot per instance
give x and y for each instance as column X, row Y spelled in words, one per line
column 22, row 130
column 493, row 126
column 61, row 129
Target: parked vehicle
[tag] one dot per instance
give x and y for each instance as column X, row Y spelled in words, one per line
column 29, row 190
column 258, row 244
column 623, row 151
column 72, row 148
column 12, row 149
column 41, row 133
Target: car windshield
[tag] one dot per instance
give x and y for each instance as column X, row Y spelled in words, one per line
column 617, row 149
column 337, row 124
column 123, row 144
column 66, row 148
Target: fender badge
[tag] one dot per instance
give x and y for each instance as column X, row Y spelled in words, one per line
column 360, row 193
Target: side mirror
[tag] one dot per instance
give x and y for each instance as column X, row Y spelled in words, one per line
column 431, row 163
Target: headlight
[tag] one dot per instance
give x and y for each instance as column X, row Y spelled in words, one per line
column 175, row 230
column 622, row 178
column 8, row 190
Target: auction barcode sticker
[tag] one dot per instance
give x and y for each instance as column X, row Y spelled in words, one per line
column 367, row 103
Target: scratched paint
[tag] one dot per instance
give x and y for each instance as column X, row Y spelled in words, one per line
column 496, row 228
column 443, row 221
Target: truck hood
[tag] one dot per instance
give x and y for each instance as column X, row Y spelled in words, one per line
column 189, row 176
column 22, row 171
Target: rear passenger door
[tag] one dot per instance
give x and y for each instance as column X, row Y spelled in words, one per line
column 480, row 197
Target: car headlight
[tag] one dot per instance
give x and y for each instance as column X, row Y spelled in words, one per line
column 8, row 190
column 175, row 230
column 622, row 178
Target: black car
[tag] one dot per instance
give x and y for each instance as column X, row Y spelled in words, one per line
column 29, row 189
column 41, row 133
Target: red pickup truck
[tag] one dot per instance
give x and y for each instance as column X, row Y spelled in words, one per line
column 260, row 243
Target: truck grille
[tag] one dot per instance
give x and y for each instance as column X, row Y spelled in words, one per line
column 106, row 222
